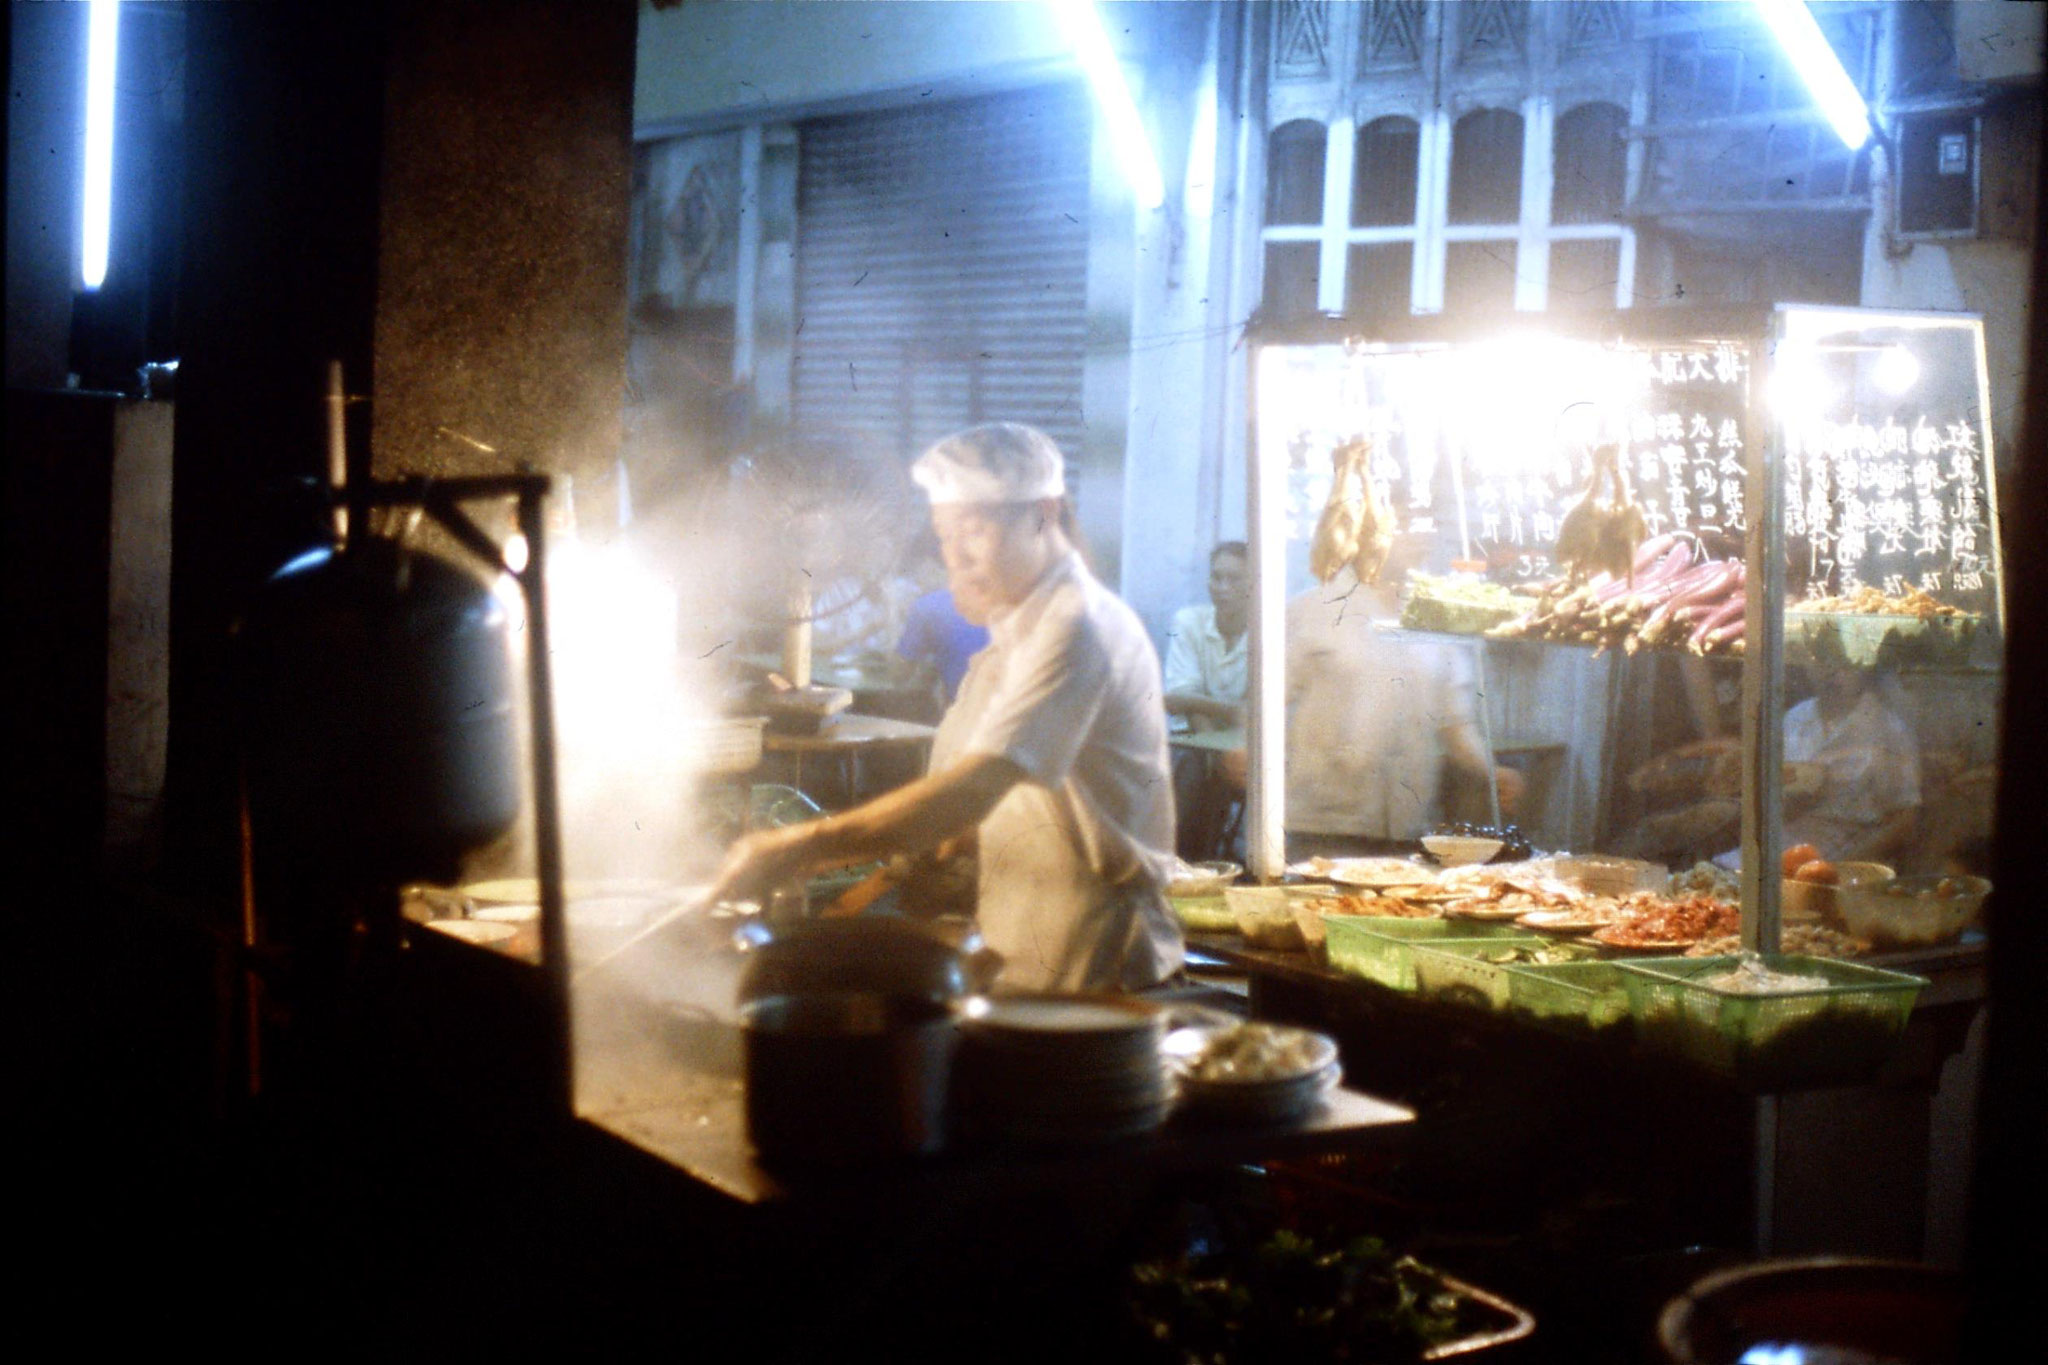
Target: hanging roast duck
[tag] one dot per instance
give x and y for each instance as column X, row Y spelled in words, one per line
column 1357, row 525
column 1601, row 532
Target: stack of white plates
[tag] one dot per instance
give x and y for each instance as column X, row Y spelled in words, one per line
column 1288, row 1073
column 1063, row 1069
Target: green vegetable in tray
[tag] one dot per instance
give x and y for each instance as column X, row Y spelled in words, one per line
column 1292, row 1300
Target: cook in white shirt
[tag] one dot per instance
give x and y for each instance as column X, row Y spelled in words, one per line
column 1053, row 757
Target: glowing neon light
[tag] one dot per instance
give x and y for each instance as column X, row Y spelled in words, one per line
column 1826, row 80
column 102, row 27
column 1083, row 27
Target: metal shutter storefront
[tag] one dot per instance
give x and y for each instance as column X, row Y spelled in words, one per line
column 942, row 270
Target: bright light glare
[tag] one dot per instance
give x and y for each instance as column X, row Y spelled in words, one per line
column 102, row 26
column 612, row 625
column 1796, row 30
column 1771, row 1353
column 1799, row 392
column 1083, row 28
column 1546, row 399
column 1200, row 188
column 1897, row 370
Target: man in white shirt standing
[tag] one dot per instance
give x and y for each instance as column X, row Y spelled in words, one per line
column 1053, row 756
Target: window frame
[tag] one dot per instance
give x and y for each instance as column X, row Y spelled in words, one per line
column 1434, row 95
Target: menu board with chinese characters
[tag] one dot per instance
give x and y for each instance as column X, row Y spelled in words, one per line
column 1887, row 473
column 1679, row 418
column 1481, row 449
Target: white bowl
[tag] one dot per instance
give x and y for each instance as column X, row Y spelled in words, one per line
column 1913, row 912
column 1202, row 879
column 1457, row 850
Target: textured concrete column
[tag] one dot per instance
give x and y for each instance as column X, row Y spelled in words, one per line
column 501, row 292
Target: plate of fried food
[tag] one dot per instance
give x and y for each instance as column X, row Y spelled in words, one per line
column 1372, row 873
column 1585, row 918
column 1371, row 905
column 1646, row 923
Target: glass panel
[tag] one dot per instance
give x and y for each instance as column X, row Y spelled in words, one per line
column 1383, row 173
column 1294, row 173
column 1379, row 279
column 1479, row 277
column 1591, row 161
column 1584, row 274
column 1893, row 630
column 1486, row 167
column 1293, row 271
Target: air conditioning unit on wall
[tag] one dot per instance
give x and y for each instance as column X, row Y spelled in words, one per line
column 1938, row 175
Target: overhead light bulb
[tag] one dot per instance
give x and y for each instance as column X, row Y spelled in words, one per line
column 1798, row 33
column 1083, row 28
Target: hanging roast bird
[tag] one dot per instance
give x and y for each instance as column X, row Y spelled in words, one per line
column 1357, row 525
column 1601, row 532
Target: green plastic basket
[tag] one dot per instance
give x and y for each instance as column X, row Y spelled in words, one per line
column 1839, row 1034
column 1577, row 997
column 1380, row 948
column 1457, row 969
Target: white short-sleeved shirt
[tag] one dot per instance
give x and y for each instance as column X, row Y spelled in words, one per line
column 1199, row 660
column 1073, row 858
column 1368, row 711
column 1873, row 770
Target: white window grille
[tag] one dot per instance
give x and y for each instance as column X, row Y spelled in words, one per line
column 1440, row 174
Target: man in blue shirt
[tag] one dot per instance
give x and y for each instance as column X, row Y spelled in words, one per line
column 937, row 636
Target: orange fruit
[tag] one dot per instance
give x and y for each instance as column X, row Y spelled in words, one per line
column 1817, row 871
column 1798, row 856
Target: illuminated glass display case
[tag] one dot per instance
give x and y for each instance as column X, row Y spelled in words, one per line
column 1791, row 511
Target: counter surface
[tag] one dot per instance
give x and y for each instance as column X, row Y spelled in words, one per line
column 687, row 1106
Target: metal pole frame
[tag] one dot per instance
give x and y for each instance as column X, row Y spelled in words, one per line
column 442, row 499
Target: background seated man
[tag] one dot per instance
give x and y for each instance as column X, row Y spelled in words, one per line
column 1870, row 797
column 1205, row 686
column 1205, row 649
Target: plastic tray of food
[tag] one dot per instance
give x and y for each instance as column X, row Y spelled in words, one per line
column 1476, row 972
column 1837, row 1034
column 1204, row 914
column 1578, row 997
column 1265, row 914
column 1381, row 948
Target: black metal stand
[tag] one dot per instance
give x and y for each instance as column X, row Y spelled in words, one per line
column 443, row 500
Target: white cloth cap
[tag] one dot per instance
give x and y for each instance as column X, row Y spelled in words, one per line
column 994, row 462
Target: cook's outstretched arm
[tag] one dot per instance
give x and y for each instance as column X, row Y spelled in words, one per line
column 910, row 819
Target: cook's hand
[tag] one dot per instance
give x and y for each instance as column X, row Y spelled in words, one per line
column 757, row 863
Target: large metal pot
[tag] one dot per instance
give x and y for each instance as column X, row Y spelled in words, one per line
column 841, row 1078
column 1842, row 1307
column 889, row 955
column 378, row 701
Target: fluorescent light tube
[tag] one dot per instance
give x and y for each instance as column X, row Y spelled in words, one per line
column 1799, row 34
column 1083, row 27
column 102, row 27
